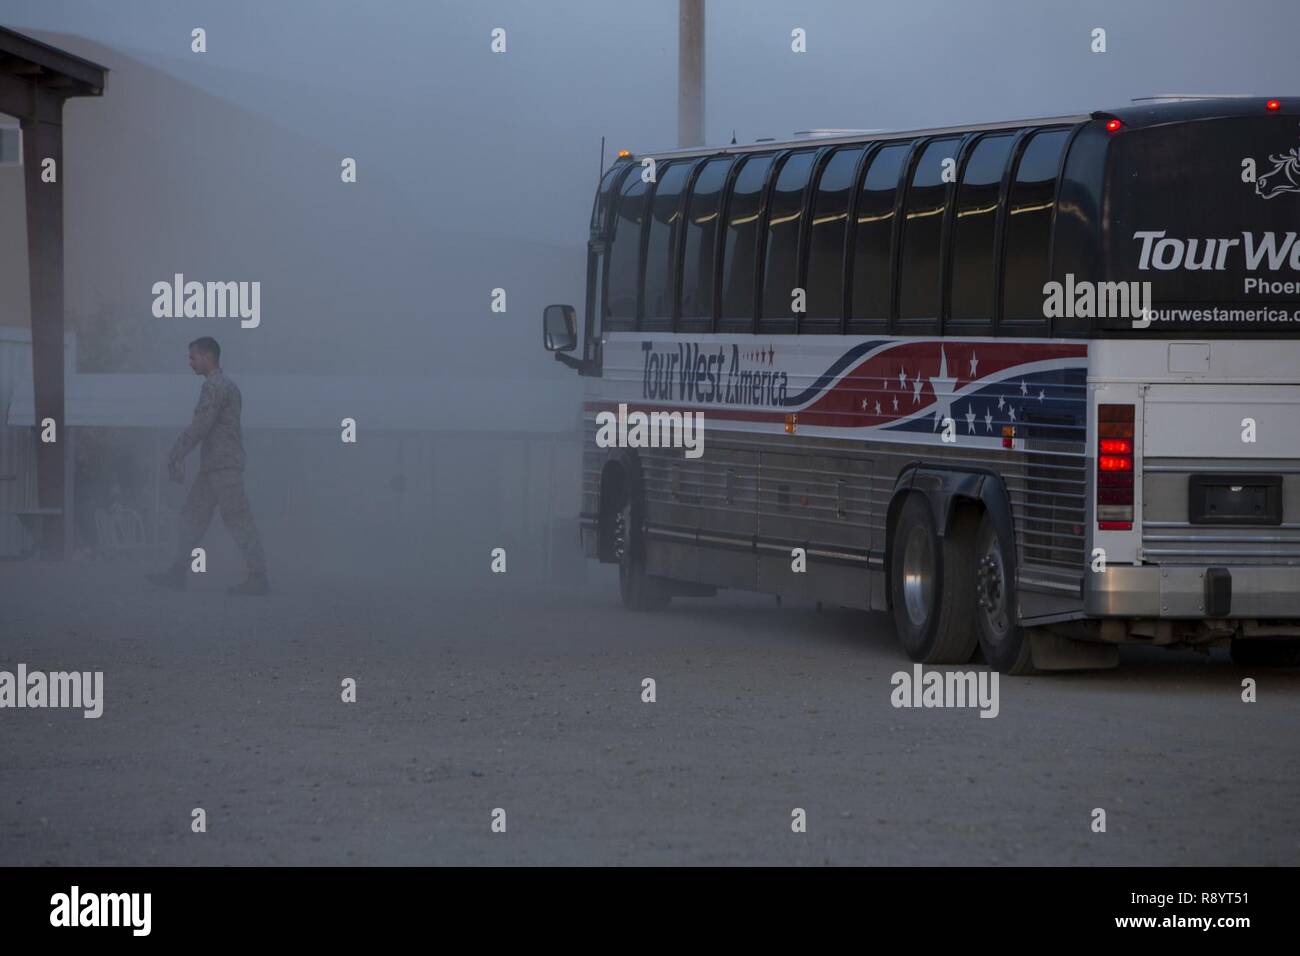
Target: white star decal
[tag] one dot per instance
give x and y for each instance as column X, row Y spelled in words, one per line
column 865, row 402
column 895, row 403
column 974, row 364
column 877, row 408
column 1002, row 402
column 942, row 385
column 1024, row 389
column 1041, row 395
column 988, row 420
column 902, row 378
column 970, row 419
column 917, row 385
column 1011, row 412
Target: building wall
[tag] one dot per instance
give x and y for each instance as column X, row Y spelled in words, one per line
column 18, row 444
column 15, row 302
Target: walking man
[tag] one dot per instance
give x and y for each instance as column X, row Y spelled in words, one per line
column 220, row 482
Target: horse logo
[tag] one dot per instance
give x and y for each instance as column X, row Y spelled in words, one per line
column 1284, row 177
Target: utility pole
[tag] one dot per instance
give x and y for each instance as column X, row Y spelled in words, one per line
column 690, row 73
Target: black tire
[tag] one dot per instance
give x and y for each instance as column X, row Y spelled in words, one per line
column 931, row 585
column 1003, row 642
column 639, row 591
column 1265, row 653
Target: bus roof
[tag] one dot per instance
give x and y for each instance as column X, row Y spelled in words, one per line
column 1141, row 113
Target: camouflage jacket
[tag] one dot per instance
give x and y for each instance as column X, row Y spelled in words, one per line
column 215, row 427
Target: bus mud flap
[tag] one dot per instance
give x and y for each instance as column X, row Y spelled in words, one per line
column 1052, row 652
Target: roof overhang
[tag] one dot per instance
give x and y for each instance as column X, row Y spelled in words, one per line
column 27, row 63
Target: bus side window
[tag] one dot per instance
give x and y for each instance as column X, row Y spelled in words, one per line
column 920, row 280
column 781, row 256
column 660, row 263
column 625, row 257
column 974, row 249
column 699, row 246
column 740, row 244
column 1028, row 234
column 827, row 227
column 872, row 240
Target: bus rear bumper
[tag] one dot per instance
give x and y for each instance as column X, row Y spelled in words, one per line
column 1152, row 591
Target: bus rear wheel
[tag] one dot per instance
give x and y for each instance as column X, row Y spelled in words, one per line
column 639, row 590
column 932, row 591
column 1003, row 642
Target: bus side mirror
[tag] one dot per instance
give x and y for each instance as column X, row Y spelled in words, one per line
column 560, row 328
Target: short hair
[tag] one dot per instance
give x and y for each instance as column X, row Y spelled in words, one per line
column 207, row 344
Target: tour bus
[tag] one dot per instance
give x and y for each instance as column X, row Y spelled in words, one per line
column 1031, row 387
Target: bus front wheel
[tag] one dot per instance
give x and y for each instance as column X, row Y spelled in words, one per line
column 639, row 590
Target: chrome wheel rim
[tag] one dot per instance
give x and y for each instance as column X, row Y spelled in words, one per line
column 918, row 579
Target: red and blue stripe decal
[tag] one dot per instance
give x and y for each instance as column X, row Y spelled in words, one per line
column 905, row 385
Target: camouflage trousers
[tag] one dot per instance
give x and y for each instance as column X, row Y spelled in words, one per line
column 221, row 488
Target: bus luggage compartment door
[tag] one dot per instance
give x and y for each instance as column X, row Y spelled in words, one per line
column 822, row 504
column 728, row 516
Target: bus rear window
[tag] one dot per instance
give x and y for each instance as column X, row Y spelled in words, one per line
column 1209, row 214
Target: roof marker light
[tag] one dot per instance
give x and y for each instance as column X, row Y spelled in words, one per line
column 1113, row 124
column 624, row 153
column 1274, row 105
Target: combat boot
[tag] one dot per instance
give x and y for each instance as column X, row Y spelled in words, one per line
column 174, row 578
column 256, row 584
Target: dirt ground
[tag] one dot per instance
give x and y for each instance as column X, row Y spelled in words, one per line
column 476, row 698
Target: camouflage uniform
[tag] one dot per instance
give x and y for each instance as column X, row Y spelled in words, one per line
column 220, row 482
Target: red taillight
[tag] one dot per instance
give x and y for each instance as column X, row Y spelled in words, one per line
column 1113, row 125
column 1115, row 437
column 1274, row 105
